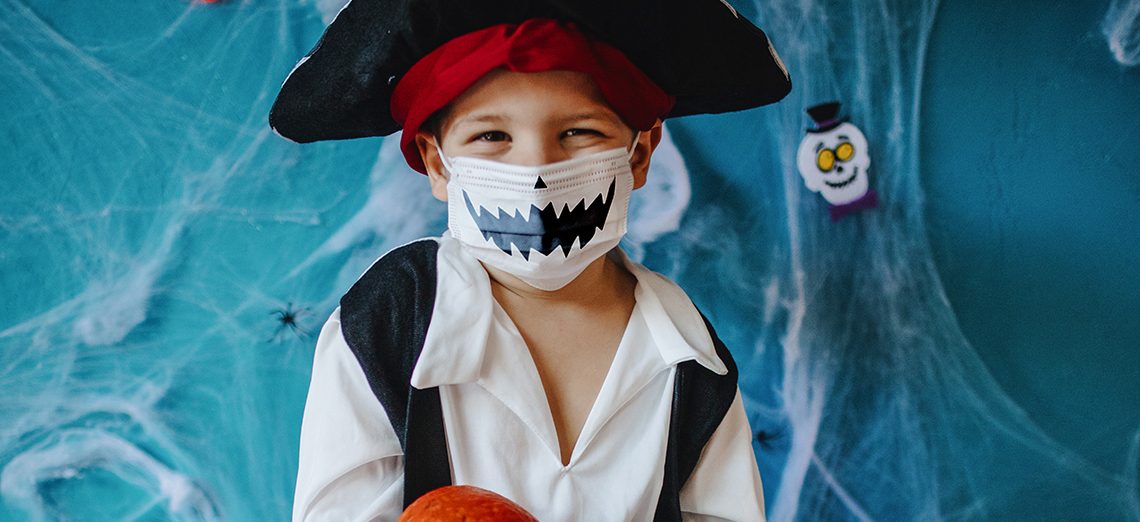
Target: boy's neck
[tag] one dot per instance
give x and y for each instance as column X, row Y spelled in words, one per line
column 604, row 279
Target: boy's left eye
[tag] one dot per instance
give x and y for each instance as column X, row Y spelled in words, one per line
column 582, row 132
column 491, row 136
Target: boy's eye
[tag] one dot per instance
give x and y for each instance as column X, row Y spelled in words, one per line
column 582, row 132
column 491, row 136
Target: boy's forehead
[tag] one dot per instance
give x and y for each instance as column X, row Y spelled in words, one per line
column 561, row 94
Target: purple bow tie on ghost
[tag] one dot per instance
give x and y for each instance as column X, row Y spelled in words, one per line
column 868, row 200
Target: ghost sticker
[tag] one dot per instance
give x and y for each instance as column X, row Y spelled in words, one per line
column 833, row 161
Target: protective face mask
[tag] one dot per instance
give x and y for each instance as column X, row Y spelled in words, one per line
column 543, row 224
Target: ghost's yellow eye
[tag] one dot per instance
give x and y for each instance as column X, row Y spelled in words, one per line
column 825, row 160
column 844, row 151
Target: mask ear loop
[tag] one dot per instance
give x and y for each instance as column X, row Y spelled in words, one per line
column 629, row 154
column 443, row 159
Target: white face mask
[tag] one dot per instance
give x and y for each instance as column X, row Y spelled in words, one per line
column 543, row 224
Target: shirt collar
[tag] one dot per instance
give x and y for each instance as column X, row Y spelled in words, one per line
column 677, row 327
column 456, row 340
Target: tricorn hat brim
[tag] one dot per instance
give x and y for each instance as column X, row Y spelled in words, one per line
column 700, row 51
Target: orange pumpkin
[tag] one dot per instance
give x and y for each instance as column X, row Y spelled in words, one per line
column 458, row 503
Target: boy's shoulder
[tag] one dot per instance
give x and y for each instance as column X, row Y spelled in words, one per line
column 394, row 291
column 384, row 319
column 410, row 259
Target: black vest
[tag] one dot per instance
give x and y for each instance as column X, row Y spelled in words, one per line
column 384, row 318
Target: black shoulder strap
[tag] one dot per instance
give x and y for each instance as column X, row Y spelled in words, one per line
column 384, row 318
column 701, row 398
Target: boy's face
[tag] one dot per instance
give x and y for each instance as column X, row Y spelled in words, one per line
column 532, row 119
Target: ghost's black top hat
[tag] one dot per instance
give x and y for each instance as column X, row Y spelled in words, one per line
column 700, row 51
column 826, row 116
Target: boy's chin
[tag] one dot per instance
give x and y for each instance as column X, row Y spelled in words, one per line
column 592, row 274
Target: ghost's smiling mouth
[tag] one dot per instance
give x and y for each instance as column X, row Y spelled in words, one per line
column 844, row 183
column 545, row 229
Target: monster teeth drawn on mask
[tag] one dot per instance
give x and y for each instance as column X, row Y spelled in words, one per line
column 543, row 230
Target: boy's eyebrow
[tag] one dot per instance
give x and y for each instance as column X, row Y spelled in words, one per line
column 593, row 115
column 477, row 118
column 494, row 118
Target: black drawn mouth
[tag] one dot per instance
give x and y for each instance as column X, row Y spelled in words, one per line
column 844, row 183
column 545, row 229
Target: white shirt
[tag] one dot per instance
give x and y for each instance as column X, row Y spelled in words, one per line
column 500, row 432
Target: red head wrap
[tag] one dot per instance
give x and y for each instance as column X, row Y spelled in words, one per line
column 535, row 45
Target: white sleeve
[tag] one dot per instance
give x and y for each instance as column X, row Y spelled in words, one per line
column 351, row 464
column 726, row 482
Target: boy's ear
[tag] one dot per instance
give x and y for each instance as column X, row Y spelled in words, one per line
column 642, row 151
column 437, row 175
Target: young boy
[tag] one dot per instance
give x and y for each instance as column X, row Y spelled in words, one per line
column 543, row 364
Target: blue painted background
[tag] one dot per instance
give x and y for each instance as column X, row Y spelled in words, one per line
column 968, row 351
column 1033, row 192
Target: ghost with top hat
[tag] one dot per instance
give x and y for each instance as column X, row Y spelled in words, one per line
column 833, row 161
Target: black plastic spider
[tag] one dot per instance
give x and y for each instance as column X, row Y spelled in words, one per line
column 287, row 320
column 768, row 439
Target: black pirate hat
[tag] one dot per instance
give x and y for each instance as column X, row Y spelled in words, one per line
column 700, row 51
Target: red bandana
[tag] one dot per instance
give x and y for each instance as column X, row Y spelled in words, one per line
column 535, row 45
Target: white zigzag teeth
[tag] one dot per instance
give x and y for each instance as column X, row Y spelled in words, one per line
column 577, row 206
column 536, row 255
column 560, row 206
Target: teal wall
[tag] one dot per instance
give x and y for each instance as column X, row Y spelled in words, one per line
column 1030, row 140
column 968, row 351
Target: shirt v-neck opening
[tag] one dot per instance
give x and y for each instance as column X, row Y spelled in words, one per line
column 581, row 441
